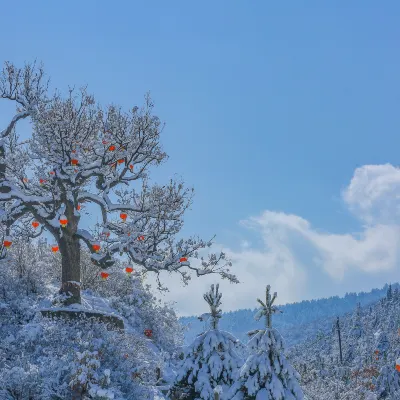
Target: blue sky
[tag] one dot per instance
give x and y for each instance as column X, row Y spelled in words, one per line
column 269, row 107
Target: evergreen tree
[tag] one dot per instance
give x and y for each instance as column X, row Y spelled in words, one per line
column 210, row 361
column 396, row 293
column 389, row 293
column 266, row 373
column 357, row 330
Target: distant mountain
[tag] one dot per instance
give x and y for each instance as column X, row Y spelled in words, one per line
column 298, row 322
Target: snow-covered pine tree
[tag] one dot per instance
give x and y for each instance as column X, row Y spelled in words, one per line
column 210, row 361
column 357, row 329
column 389, row 293
column 80, row 153
column 266, row 373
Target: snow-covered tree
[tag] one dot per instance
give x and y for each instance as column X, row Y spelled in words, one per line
column 80, row 153
column 357, row 329
column 266, row 373
column 388, row 382
column 389, row 293
column 210, row 361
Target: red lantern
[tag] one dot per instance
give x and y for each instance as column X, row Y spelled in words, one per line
column 78, row 207
column 121, row 160
column 35, row 224
column 63, row 221
column 129, row 270
column 398, row 365
column 140, row 238
column 111, row 148
column 104, row 275
column 123, row 216
column 96, row 247
column 376, row 352
column 148, row 333
column 51, row 172
column 7, row 241
column 182, row 259
column 131, row 167
column 42, row 181
column 54, row 248
column 74, row 161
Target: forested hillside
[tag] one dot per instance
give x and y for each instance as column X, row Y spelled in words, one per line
column 298, row 320
column 365, row 357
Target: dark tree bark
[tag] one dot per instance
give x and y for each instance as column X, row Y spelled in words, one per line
column 71, row 272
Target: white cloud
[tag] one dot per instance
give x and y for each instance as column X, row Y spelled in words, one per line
column 301, row 262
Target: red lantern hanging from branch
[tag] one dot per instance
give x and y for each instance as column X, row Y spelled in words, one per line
column 54, row 248
column 123, row 216
column 63, row 221
column 129, row 270
column 104, row 275
column 398, row 365
column 42, row 181
column 96, row 247
column 140, row 238
column 131, row 167
column 121, row 160
column 148, row 333
column 74, row 161
column 51, row 172
column 182, row 259
column 35, row 224
column 111, row 148
column 7, row 241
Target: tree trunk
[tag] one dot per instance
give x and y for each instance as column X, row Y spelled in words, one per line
column 71, row 268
